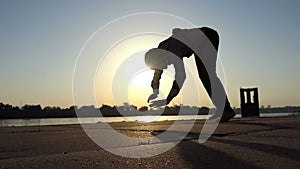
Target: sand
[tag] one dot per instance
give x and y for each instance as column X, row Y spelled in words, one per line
column 240, row 143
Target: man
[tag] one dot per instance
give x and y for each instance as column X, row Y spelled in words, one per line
column 184, row 43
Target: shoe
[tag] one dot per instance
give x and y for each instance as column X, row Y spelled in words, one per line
column 226, row 116
column 214, row 117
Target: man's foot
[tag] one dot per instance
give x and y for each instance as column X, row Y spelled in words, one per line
column 226, row 116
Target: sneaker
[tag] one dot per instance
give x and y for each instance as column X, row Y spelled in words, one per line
column 214, row 117
column 226, row 116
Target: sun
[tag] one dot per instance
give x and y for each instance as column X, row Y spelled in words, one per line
column 140, row 86
column 120, row 64
column 142, row 79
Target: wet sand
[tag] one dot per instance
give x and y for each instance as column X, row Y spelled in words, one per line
column 240, row 143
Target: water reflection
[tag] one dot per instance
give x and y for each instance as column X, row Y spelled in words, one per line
column 63, row 121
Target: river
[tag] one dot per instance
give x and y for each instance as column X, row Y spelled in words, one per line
column 64, row 121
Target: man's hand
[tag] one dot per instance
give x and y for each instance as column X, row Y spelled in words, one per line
column 158, row 103
column 153, row 96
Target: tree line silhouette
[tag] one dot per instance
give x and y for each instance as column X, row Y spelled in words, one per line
column 8, row 111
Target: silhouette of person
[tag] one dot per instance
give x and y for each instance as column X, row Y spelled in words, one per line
column 184, row 43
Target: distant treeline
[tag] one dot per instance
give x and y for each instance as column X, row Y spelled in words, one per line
column 8, row 111
column 287, row 109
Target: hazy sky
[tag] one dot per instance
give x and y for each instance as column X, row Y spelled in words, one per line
column 40, row 41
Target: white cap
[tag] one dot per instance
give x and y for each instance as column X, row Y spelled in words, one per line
column 157, row 58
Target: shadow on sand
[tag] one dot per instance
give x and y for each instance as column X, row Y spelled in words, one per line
column 200, row 156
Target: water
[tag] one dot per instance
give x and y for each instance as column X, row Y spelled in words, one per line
column 64, row 121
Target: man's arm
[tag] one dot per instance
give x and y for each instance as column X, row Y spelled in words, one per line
column 156, row 78
column 173, row 92
column 180, row 77
column 155, row 84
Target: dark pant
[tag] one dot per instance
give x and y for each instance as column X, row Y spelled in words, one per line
column 213, row 37
column 205, row 79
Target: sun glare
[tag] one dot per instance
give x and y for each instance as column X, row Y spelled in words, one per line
column 142, row 79
column 140, row 87
column 117, row 68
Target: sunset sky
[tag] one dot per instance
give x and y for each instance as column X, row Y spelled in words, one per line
column 41, row 40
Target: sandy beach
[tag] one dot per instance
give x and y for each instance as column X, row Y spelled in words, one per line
column 240, row 143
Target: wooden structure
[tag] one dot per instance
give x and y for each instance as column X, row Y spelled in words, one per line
column 250, row 103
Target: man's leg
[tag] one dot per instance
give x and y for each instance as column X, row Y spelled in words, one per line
column 228, row 112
